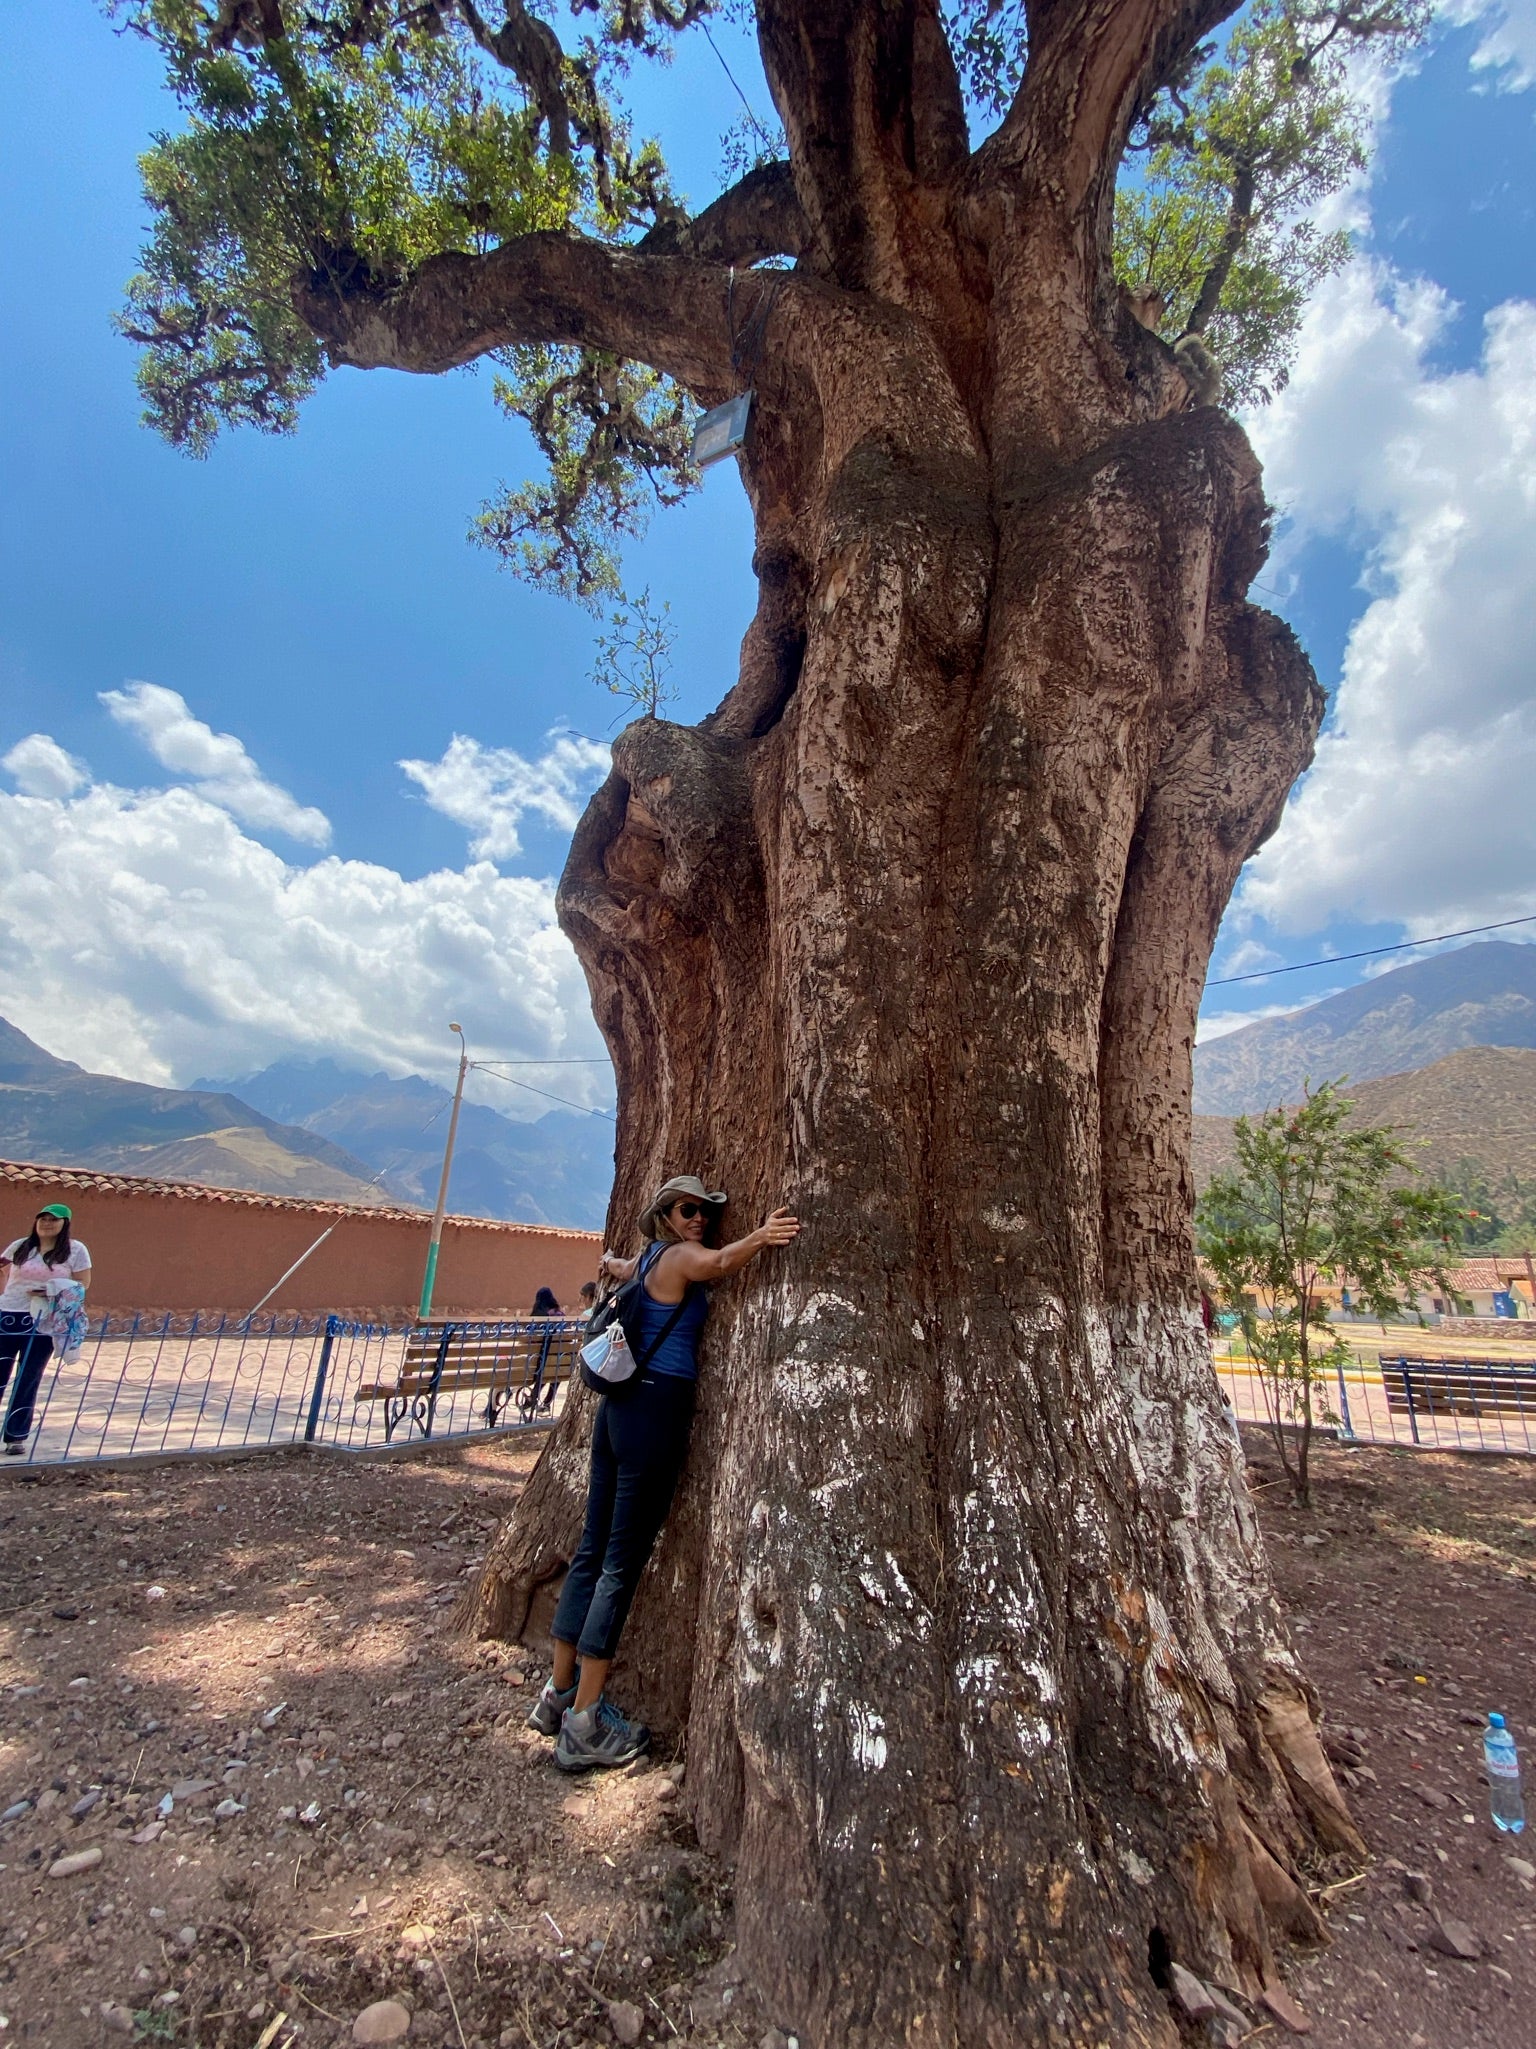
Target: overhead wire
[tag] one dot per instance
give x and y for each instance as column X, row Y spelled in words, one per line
column 1370, row 952
column 763, row 136
column 489, row 1067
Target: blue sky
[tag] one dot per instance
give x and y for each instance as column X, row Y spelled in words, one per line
column 250, row 871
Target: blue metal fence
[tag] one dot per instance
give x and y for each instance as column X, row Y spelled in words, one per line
column 1439, row 1403
column 215, row 1383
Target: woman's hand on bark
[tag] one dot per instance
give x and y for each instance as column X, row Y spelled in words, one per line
column 614, row 1267
column 780, row 1228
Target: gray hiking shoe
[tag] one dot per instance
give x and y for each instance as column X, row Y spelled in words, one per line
column 599, row 1738
column 549, row 1707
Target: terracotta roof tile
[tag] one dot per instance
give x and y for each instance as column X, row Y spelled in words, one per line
column 1487, row 1272
column 28, row 1173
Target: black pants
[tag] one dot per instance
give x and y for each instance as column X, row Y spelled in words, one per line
column 19, row 1338
column 639, row 1443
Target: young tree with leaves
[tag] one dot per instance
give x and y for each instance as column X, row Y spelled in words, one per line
column 1314, row 1199
column 985, row 1691
column 1217, row 235
column 634, row 657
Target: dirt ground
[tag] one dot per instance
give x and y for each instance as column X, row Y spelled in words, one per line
column 231, row 1689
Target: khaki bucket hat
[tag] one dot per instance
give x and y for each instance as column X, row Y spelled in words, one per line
column 669, row 1192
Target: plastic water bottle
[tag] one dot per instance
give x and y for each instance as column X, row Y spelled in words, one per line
column 1503, row 1762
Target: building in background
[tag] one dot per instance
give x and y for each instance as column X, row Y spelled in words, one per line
column 176, row 1246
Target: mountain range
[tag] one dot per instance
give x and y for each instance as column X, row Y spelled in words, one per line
column 306, row 1128
column 1482, row 995
column 557, row 1169
column 1475, row 1108
column 56, row 1112
column 1443, row 1048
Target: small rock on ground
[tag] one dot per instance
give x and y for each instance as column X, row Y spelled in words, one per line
column 385, row 2021
column 1190, row 1995
column 73, row 1865
column 626, row 2021
column 1455, row 1939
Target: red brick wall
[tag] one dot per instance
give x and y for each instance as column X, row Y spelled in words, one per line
column 169, row 1246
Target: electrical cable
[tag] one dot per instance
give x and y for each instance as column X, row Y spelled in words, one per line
column 511, row 1080
column 763, row 136
column 1370, row 952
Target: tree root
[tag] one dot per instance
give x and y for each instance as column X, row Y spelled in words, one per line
column 1291, row 1734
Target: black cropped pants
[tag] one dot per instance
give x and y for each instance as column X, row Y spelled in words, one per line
column 639, row 1442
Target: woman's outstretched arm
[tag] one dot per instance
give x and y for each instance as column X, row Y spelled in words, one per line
column 687, row 1262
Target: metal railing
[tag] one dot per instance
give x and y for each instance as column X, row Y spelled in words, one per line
column 213, row 1383
column 1412, row 1401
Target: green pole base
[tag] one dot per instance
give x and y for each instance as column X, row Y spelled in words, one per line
column 426, row 1284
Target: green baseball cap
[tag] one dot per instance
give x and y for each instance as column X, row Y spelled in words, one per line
column 61, row 1210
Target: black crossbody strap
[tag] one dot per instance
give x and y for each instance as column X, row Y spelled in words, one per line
column 666, row 1329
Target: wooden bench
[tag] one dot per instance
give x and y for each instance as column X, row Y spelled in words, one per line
column 1459, row 1387
column 524, row 1363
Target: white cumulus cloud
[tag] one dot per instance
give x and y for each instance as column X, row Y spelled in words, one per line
column 488, row 790
column 1418, row 810
column 144, row 933
column 1507, row 40
column 222, row 771
column 1216, row 1024
column 41, row 768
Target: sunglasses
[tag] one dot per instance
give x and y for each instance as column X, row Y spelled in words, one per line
column 687, row 1210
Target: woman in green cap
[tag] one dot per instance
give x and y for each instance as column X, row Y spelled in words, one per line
column 37, row 1270
column 639, row 1441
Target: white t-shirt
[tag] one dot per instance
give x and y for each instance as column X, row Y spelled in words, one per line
column 19, row 1295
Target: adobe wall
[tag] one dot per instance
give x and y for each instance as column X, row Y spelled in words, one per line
column 177, row 1246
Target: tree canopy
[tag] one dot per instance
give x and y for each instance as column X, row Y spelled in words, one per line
column 339, row 145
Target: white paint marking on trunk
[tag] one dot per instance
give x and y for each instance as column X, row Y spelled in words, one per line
column 868, row 1736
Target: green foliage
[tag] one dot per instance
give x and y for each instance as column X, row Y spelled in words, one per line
column 350, row 141
column 153, row 2024
column 1315, row 1200
column 312, row 154
column 354, row 146
column 1231, row 162
column 990, row 40
column 615, row 439
column 1498, row 1215
column 634, row 656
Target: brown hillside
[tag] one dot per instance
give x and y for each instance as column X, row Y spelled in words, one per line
column 1479, row 1104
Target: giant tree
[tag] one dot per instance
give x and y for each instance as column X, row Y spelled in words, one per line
column 963, row 1611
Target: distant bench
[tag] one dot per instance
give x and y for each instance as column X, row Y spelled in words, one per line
column 524, row 1363
column 1459, row 1387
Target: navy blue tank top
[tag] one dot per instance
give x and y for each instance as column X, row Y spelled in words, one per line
column 679, row 1355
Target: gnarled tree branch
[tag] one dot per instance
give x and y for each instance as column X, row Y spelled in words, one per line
column 759, row 216
column 1090, row 68
column 871, row 102
column 530, row 50
column 547, row 287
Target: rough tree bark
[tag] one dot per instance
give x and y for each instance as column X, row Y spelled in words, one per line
column 963, row 1613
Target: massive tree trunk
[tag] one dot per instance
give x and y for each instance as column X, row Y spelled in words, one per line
column 962, row 1613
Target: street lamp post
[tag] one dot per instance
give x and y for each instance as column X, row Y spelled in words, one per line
column 435, row 1240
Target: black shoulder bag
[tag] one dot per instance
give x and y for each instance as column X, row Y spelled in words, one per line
column 626, row 1307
